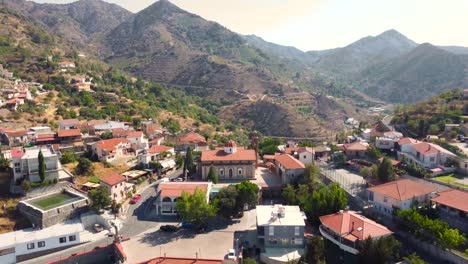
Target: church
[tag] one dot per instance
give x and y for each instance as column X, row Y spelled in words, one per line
column 231, row 162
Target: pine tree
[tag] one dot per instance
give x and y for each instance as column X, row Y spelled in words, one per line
column 42, row 166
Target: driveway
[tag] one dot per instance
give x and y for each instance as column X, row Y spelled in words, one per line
column 186, row 243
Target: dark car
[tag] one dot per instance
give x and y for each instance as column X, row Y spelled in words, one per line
column 168, row 228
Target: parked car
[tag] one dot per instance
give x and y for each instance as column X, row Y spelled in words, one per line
column 135, row 199
column 168, row 228
column 178, row 179
column 98, row 228
column 231, row 254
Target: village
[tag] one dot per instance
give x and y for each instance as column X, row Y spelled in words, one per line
column 90, row 190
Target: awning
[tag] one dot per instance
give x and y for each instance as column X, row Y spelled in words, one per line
column 168, row 164
column 91, row 185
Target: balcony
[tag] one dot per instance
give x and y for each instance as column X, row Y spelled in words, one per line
column 344, row 244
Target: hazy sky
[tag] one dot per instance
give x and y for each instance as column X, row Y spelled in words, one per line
column 322, row 24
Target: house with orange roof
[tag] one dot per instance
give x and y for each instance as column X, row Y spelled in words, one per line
column 427, row 155
column 169, row 192
column 156, row 141
column 452, row 206
column 347, row 228
column 69, row 124
column 288, row 167
column 154, row 154
column 356, row 149
column 137, row 139
column 116, row 186
column 14, row 138
column 110, row 149
column 305, row 155
column 231, row 162
column 399, row 194
column 193, row 140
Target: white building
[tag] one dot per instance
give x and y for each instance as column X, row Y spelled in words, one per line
column 116, row 186
column 428, row 155
column 169, row 192
column 18, row 245
column 25, row 164
column 110, row 149
column 288, row 167
column 399, row 194
column 388, row 141
column 154, row 154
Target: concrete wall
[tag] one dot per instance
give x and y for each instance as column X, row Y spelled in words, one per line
column 283, row 232
column 248, row 171
column 90, row 219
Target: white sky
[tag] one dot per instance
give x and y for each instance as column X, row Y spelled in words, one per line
column 323, row 24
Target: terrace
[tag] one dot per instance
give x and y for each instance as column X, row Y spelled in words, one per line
column 54, row 200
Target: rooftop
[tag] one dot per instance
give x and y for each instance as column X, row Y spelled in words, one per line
column 175, row 189
column 159, row 148
column 403, row 189
column 353, row 226
column 192, row 137
column 33, row 153
column 269, row 215
column 219, row 155
column 289, row 162
column 111, row 144
column 453, row 198
column 428, row 148
column 26, row 235
column 69, row 133
column 407, row 140
column 113, row 179
column 173, row 260
column 356, row 146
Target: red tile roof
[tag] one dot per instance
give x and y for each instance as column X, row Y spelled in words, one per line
column 356, row 146
column 292, row 150
column 230, row 144
column 353, row 226
column 289, row 162
column 394, row 162
column 407, row 140
column 425, row 148
column 17, row 153
column 111, row 144
column 69, row 133
column 123, row 133
column 175, row 189
column 219, row 155
column 403, row 189
column 69, row 122
column 192, row 137
column 20, row 133
column 453, row 198
column 155, row 140
column 113, row 179
column 45, row 137
column 159, row 148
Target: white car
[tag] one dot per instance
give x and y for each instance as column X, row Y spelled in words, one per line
column 231, row 254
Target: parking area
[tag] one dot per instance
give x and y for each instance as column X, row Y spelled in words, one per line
column 218, row 239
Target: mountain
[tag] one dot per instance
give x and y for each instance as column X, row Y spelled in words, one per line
column 78, row 21
column 286, row 52
column 455, row 49
column 421, row 73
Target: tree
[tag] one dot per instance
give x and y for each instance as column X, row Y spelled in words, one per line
column 414, row 259
column 188, row 162
column 67, row 157
column 4, row 164
column 249, row 261
column 85, row 166
column 99, row 198
column 373, row 152
column 327, row 200
column 42, row 166
column 289, row 195
column 310, row 177
column 106, row 135
column 194, row 209
column 385, row 171
column 212, row 175
column 248, row 193
column 315, row 252
column 26, row 185
column 227, row 201
column 377, row 250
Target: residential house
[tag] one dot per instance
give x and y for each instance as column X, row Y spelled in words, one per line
column 45, row 139
column 346, row 228
column 322, row 151
column 356, row 149
column 25, row 164
column 137, row 139
column 280, row 230
column 64, row 65
column 14, row 103
column 110, row 149
column 288, row 167
column 14, row 138
column 29, row 243
column 453, row 207
column 67, row 124
column 70, row 139
column 154, row 154
column 230, row 162
column 169, row 192
column 151, row 129
column 399, row 194
column 156, row 141
column 193, row 140
column 89, row 125
column 116, row 186
column 39, row 130
column 388, row 141
column 427, row 155
column 306, row 155
column 108, row 126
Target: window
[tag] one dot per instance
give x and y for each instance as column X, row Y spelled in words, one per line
column 239, row 171
column 63, row 239
column 17, row 164
column 271, row 230
column 305, row 157
column 272, row 241
column 30, row 246
column 298, row 241
column 296, row 230
column 72, row 238
column 385, row 199
column 41, row 244
column 432, row 159
column 221, row 172
column 17, row 170
column 166, row 200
